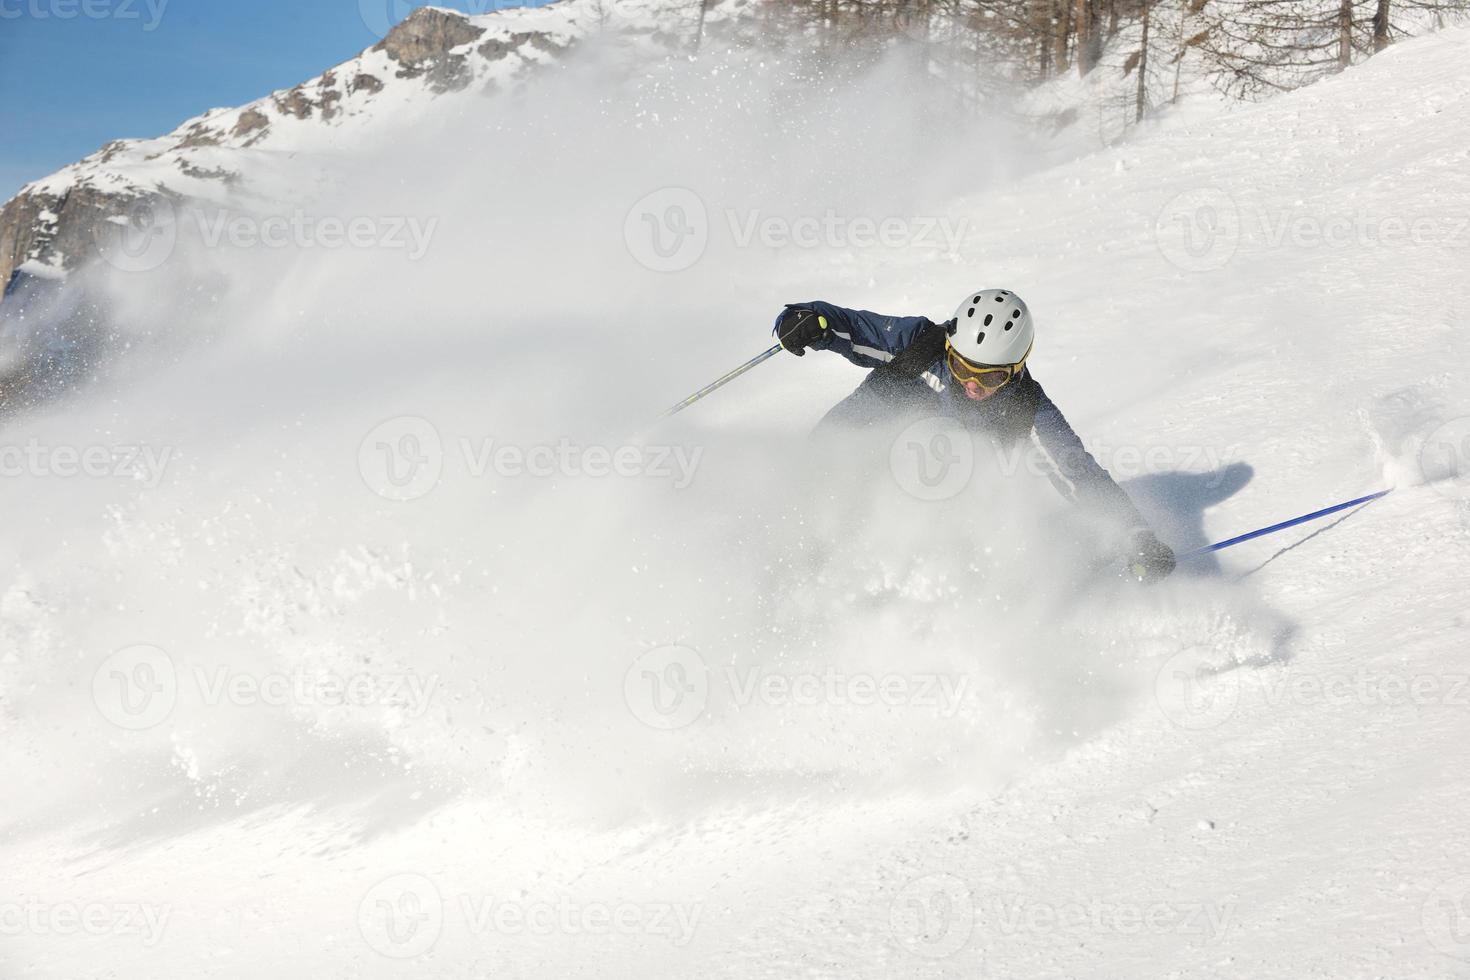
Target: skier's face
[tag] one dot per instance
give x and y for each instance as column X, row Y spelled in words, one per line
column 979, row 381
column 975, row 393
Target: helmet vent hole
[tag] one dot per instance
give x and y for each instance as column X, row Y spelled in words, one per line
column 980, row 338
column 988, row 318
column 971, row 313
column 1009, row 324
column 977, row 299
column 1016, row 315
column 1000, row 299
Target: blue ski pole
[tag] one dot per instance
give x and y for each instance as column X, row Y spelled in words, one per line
column 721, row 381
column 1261, row 532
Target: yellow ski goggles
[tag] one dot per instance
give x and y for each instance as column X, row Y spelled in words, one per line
column 988, row 376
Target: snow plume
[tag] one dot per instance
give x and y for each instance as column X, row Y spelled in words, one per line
column 367, row 511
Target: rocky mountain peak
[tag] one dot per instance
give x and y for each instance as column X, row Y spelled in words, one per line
column 427, row 34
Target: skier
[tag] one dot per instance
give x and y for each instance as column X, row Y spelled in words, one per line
column 973, row 368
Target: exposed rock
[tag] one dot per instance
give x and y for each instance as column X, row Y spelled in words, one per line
column 111, row 150
column 422, row 43
column 496, row 48
column 330, row 98
column 364, row 82
column 82, row 216
column 198, row 135
column 294, row 103
column 250, row 121
column 330, row 95
column 426, row 35
column 218, row 173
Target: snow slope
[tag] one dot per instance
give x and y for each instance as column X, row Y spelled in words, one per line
column 751, row 710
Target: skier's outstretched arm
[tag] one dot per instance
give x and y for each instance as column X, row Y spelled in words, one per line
column 867, row 339
column 1083, row 480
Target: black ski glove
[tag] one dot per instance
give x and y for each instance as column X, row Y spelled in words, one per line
column 798, row 329
column 1148, row 559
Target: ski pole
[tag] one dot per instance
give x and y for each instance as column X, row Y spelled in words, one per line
column 720, row 382
column 1261, row 532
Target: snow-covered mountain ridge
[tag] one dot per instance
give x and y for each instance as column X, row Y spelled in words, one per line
column 431, row 55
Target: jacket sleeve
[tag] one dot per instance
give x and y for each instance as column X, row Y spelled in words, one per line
column 866, row 339
column 1075, row 473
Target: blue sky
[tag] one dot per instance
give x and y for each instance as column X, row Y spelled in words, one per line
column 77, row 73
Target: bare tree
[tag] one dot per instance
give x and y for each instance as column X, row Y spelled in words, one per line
column 1061, row 33
column 1345, row 35
column 1381, row 17
column 1088, row 21
column 1142, row 100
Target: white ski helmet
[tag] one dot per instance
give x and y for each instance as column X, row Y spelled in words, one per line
column 992, row 326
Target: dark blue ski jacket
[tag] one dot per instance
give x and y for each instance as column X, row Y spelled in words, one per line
column 1019, row 416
